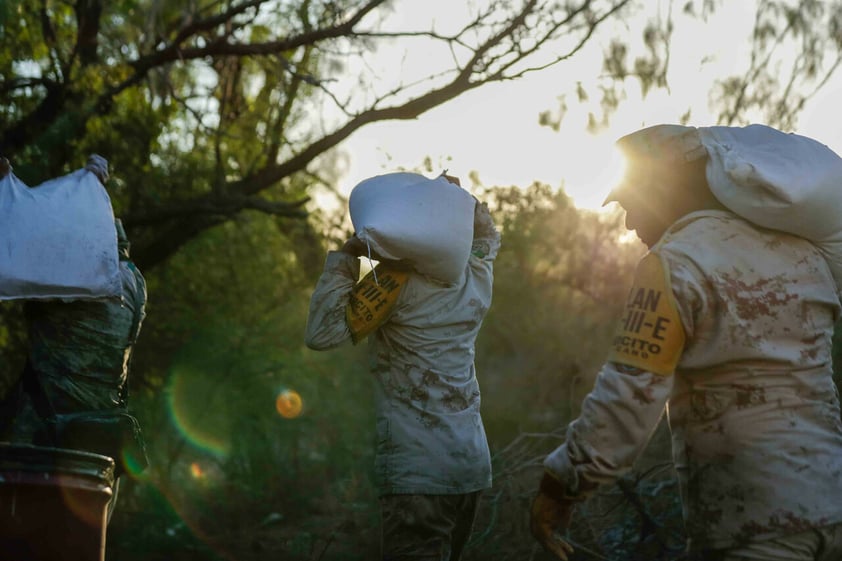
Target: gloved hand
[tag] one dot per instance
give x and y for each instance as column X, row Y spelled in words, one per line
column 484, row 227
column 452, row 179
column 551, row 513
column 98, row 166
column 354, row 247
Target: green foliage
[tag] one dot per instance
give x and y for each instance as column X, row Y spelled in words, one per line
column 84, row 77
column 793, row 47
column 560, row 279
column 12, row 344
column 223, row 339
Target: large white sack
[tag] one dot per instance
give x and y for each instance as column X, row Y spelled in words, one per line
column 429, row 222
column 57, row 240
column 781, row 181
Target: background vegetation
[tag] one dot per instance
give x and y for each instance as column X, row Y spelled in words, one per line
column 223, row 123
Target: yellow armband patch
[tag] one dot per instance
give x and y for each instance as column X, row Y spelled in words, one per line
column 372, row 301
column 650, row 334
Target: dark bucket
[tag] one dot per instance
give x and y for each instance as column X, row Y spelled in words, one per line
column 53, row 503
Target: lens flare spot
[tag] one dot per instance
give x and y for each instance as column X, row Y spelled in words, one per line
column 134, row 464
column 289, row 404
column 87, row 505
column 196, row 471
column 198, row 407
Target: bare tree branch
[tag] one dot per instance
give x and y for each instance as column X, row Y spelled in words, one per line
column 497, row 42
column 216, row 206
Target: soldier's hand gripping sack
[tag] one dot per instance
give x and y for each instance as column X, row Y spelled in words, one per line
column 428, row 222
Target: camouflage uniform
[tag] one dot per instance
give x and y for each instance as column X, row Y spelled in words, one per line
column 73, row 393
column 430, row 436
column 753, row 410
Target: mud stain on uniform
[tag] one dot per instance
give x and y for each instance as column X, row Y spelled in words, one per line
column 759, row 299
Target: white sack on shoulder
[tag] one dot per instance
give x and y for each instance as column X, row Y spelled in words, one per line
column 57, row 240
column 781, row 181
column 429, row 222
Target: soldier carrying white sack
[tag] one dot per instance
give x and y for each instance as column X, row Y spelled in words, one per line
column 432, row 458
column 729, row 325
column 73, row 392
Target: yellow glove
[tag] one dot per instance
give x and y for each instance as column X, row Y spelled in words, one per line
column 550, row 514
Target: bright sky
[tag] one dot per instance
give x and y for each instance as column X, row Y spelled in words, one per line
column 495, row 132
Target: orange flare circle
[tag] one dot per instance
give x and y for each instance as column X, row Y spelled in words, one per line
column 289, row 404
column 196, row 470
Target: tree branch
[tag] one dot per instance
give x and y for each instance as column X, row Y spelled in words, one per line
column 88, row 13
column 214, row 205
column 221, row 47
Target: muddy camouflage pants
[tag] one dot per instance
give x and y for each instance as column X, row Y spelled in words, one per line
column 819, row 544
column 426, row 527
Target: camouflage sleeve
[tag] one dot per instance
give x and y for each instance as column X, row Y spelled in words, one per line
column 326, row 325
column 134, row 297
column 618, row 418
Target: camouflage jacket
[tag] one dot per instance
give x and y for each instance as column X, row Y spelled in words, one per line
column 80, row 350
column 753, row 410
column 430, row 436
